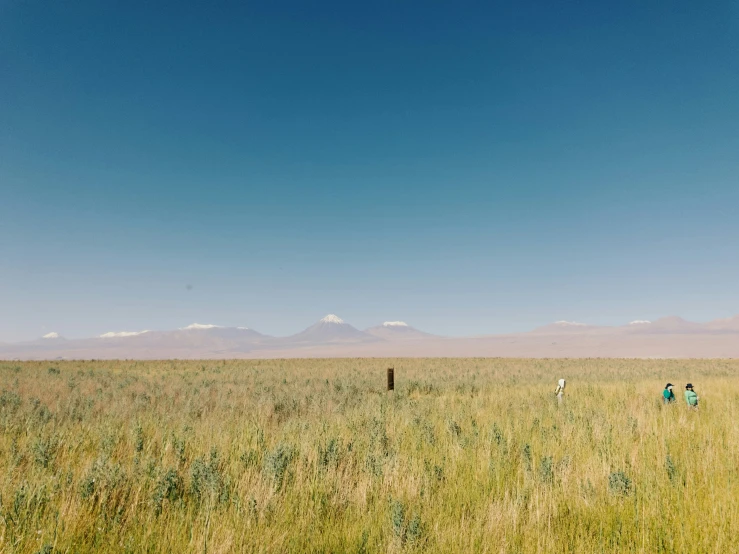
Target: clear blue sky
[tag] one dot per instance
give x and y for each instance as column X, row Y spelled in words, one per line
column 468, row 167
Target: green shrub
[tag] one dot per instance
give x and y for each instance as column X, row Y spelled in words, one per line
column 277, row 462
column 619, row 483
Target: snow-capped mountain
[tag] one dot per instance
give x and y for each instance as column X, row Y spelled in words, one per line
column 120, row 334
column 670, row 324
column 331, row 318
column 50, row 339
column 396, row 330
column 49, row 342
column 330, row 329
column 196, row 337
column 209, row 330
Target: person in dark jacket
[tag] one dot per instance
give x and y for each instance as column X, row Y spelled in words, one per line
column 668, row 395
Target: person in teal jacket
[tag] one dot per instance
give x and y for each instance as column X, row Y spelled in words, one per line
column 667, row 394
column 690, row 397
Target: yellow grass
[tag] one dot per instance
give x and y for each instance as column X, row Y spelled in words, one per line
column 467, row 455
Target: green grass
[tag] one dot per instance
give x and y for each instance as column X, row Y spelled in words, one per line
column 467, row 455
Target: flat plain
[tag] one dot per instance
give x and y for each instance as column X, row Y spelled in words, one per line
column 466, row 455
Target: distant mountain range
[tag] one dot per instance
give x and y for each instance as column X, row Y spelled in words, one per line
column 671, row 324
column 333, row 337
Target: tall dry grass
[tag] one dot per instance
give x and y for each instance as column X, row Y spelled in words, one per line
column 467, row 455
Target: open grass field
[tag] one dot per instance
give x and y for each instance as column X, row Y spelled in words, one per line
column 467, row 455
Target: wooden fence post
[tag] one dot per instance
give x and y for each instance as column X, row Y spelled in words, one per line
column 391, row 378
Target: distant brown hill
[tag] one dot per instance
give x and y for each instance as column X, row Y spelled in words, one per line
column 397, row 330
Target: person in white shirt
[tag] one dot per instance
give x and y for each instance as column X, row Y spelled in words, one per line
column 560, row 391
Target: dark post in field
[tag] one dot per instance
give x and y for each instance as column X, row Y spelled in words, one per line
column 391, row 378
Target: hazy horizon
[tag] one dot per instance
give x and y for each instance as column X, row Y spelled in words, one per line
column 475, row 169
column 197, row 325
